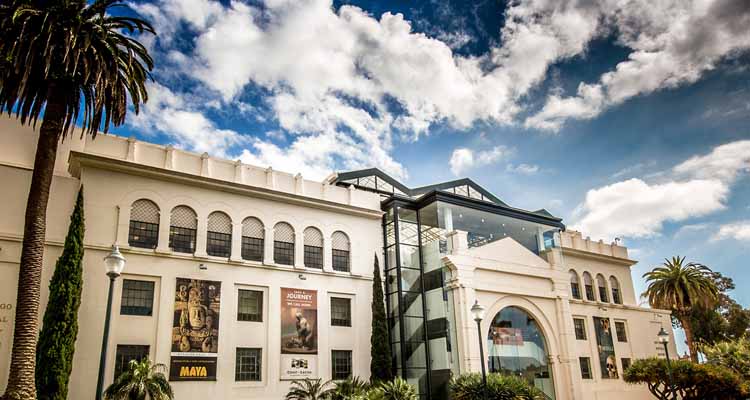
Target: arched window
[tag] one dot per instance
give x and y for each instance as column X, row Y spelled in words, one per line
column 219, row 235
column 340, row 249
column 575, row 286
column 602, row 284
column 183, row 225
column 144, row 224
column 516, row 346
column 588, row 284
column 313, row 248
column 283, row 244
column 615, row 285
column 253, row 234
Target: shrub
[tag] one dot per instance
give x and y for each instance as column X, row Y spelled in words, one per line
column 687, row 380
column 499, row 387
column 397, row 389
column 351, row 388
column 734, row 355
column 309, row 389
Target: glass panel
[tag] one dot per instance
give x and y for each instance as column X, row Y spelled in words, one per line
column 412, row 304
column 407, row 215
column 418, row 378
column 410, row 280
column 393, row 304
column 391, row 279
column 390, row 257
column 409, row 256
column 390, row 234
column 413, row 329
column 415, row 355
column 408, row 233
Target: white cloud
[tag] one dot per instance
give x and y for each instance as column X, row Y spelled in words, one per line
column 525, row 169
column 464, row 159
column 693, row 188
column 737, row 231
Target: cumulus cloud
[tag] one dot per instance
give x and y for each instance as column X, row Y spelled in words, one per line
column 637, row 208
column 525, row 169
column 464, row 159
column 737, row 231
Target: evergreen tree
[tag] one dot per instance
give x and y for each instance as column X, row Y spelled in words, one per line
column 380, row 365
column 54, row 353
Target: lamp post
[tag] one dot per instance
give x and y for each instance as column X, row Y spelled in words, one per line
column 664, row 340
column 477, row 310
column 114, row 263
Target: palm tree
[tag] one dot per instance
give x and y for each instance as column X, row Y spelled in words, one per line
column 67, row 62
column 141, row 381
column 309, row 389
column 679, row 287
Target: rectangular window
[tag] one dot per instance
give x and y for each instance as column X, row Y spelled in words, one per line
column 585, row 367
column 313, row 257
column 625, row 364
column 616, row 296
column 252, row 248
column 249, row 305
column 341, row 312
column 340, row 260
column 603, row 294
column 341, row 364
column 622, row 336
column 143, row 234
column 182, row 240
column 218, row 244
column 576, row 290
column 590, row 293
column 580, row 328
column 248, row 366
column 137, row 297
column 127, row 352
column 283, row 253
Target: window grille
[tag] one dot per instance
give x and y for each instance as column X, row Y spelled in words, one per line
column 313, row 248
column 340, row 249
column 219, row 235
column 580, row 328
column 603, row 296
column 283, row 244
column 127, row 352
column 585, row 367
column 622, row 335
column 137, row 297
column 253, row 234
column 144, row 224
column 248, row 366
column 341, row 312
column 250, row 305
column 183, row 225
column 341, row 364
column 589, row 286
column 616, row 298
column 575, row 288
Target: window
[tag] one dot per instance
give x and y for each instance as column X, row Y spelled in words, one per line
column 580, row 328
column 589, row 285
column 575, row 287
column 341, row 364
column 283, row 244
column 183, row 224
column 253, row 234
column 341, row 312
column 219, row 235
column 313, row 248
column 127, row 352
column 602, row 284
column 137, row 297
column 144, row 224
column 615, row 285
column 248, row 366
column 585, row 367
column 620, row 330
column 625, row 364
column 249, row 305
column 340, row 248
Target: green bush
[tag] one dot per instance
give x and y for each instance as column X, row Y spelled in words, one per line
column 499, row 387
column 734, row 355
column 351, row 388
column 397, row 389
column 687, row 380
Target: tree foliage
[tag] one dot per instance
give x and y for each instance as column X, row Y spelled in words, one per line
column 349, row 389
column 725, row 320
column 687, row 380
column 397, row 389
column 499, row 387
column 734, row 354
column 380, row 362
column 56, row 343
column 309, row 389
column 141, row 381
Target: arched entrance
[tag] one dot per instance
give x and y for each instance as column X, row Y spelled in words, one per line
column 516, row 346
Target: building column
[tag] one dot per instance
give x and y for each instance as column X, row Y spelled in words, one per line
column 123, row 224
column 268, row 246
column 164, row 221
column 328, row 255
column 236, row 254
column 299, row 249
column 200, row 236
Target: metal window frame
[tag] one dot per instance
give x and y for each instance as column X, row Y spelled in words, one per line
column 284, row 249
column 123, row 351
column 249, row 317
column 219, row 244
column 343, row 322
column 242, row 376
column 348, row 363
column 126, row 297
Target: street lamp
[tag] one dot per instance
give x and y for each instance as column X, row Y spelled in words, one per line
column 664, row 340
column 114, row 263
column 477, row 310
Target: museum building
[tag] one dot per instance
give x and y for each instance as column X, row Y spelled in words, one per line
column 240, row 279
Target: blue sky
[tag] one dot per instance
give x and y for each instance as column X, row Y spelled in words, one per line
column 630, row 122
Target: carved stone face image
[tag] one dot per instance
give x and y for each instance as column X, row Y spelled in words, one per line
column 184, row 343
column 182, row 294
column 611, row 367
column 197, row 314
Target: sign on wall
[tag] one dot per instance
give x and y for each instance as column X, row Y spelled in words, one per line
column 195, row 330
column 605, row 345
column 299, row 333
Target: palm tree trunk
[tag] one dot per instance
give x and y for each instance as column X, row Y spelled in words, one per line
column 685, row 322
column 21, row 385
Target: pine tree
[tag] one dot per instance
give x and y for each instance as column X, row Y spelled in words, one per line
column 380, row 364
column 54, row 353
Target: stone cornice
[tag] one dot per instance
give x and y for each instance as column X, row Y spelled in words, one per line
column 599, row 257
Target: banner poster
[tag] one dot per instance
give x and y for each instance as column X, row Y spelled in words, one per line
column 606, row 348
column 507, row 336
column 299, row 333
column 195, row 330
